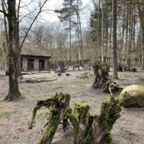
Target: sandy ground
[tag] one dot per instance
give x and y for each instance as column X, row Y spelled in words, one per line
column 128, row 129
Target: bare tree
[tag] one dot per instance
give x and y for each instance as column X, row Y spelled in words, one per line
column 12, row 18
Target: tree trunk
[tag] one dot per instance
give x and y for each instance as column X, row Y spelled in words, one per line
column 102, row 34
column 13, row 46
column 141, row 17
column 114, row 8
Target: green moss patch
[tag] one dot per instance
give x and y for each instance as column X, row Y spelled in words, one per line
column 132, row 96
column 6, row 112
column 83, row 76
column 42, row 113
column 43, row 79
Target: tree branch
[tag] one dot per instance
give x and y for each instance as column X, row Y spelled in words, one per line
column 5, row 22
column 40, row 10
column 4, row 12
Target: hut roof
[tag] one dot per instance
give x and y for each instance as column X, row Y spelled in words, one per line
column 33, row 49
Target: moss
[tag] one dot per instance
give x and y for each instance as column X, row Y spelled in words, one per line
column 132, row 96
column 15, row 95
column 75, row 124
column 20, row 78
column 92, row 128
column 6, row 112
column 42, row 113
column 51, row 127
column 82, row 108
column 59, row 103
column 79, row 119
column 107, row 138
column 84, row 77
column 37, row 80
column 110, row 112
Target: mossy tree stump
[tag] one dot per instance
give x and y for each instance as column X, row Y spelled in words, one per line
column 104, row 80
column 101, row 75
column 58, row 106
column 90, row 129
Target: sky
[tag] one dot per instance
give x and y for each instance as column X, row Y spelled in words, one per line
column 49, row 16
column 56, row 4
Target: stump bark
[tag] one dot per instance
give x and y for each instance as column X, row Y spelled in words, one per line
column 58, row 106
column 101, row 75
column 111, row 86
column 89, row 129
column 104, row 80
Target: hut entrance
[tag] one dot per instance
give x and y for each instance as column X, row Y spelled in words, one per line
column 41, row 65
column 30, row 64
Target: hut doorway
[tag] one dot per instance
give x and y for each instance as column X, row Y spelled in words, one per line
column 30, row 64
column 41, row 65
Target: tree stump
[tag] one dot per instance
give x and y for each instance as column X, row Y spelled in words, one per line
column 89, row 129
column 58, row 106
column 101, row 75
column 104, row 80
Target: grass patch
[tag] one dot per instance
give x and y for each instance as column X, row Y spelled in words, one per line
column 37, row 80
column 42, row 113
column 81, row 101
column 4, row 112
column 83, row 76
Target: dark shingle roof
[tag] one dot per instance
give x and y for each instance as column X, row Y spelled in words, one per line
column 34, row 49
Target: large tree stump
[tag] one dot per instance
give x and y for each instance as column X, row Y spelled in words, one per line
column 101, row 75
column 90, row 129
column 104, row 80
column 58, row 106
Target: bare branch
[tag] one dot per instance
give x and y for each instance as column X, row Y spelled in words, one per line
column 4, row 12
column 5, row 21
column 27, row 14
column 40, row 10
column 18, row 8
column 4, row 7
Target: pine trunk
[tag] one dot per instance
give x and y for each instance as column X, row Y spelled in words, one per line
column 114, row 8
column 141, row 17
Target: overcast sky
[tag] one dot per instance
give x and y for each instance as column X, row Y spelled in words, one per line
column 55, row 4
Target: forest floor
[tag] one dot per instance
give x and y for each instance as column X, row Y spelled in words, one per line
column 14, row 116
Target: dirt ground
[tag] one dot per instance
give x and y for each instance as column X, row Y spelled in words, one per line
column 128, row 129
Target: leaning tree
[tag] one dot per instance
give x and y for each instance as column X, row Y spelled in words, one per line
column 12, row 17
